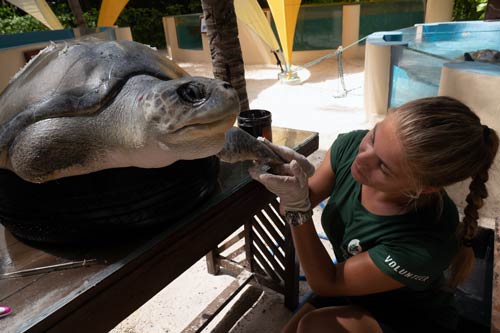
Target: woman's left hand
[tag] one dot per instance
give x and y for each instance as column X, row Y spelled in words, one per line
column 289, row 182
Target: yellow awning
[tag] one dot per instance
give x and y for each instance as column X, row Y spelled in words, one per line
column 285, row 14
column 40, row 10
column 249, row 11
column 109, row 12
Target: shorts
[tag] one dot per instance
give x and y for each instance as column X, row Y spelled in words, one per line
column 388, row 323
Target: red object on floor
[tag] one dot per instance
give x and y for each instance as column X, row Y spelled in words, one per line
column 4, row 311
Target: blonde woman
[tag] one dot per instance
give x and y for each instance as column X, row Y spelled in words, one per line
column 393, row 228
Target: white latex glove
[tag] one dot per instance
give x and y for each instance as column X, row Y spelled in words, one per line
column 288, row 181
column 288, row 154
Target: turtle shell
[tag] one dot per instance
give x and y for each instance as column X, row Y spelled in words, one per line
column 74, row 79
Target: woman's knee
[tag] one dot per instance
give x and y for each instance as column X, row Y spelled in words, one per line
column 338, row 319
column 310, row 322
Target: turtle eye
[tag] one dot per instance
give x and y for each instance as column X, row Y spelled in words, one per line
column 192, row 92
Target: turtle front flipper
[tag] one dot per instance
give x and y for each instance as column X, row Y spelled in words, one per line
column 241, row 146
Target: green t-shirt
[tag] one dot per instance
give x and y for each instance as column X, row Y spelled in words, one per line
column 413, row 248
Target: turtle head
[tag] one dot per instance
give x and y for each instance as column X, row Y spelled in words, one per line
column 189, row 116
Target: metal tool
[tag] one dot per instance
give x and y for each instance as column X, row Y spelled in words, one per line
column 47, row 269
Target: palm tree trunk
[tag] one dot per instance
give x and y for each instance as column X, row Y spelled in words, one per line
column 225, row 49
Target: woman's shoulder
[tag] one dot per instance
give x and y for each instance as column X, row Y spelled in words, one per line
column 351, row 137
column 345, row 147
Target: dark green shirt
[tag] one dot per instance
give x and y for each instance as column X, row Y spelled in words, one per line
column 413, row 248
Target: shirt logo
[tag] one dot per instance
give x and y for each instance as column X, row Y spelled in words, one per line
column 354, row 247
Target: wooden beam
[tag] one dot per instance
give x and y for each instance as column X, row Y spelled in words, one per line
column 206, row 316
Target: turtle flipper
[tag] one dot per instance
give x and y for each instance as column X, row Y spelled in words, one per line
column 241, row 146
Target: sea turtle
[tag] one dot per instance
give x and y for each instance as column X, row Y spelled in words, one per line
column 487, row 55
column 106, row 138
column 90, row 105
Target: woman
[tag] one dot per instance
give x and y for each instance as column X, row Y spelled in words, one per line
column 393, row 228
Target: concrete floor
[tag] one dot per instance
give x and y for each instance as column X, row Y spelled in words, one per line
column 311, row 105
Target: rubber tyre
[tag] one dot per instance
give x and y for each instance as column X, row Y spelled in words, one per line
column 105, row 205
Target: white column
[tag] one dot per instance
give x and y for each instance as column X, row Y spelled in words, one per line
column 377, row 76
column 438, row 11
column 350, row 30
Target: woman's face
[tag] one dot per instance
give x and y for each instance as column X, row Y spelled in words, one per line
column 380, row 160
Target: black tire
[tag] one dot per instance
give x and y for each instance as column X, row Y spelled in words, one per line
column 105, row 205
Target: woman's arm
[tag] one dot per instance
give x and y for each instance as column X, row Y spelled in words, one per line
column 358, row 275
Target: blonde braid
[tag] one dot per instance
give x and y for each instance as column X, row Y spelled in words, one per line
column 463, row 262
column 445, row 143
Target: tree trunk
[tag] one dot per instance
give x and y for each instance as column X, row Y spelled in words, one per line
column 74, row 5
column 225, row 49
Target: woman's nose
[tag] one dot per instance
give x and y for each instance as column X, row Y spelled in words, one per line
column 367, row 159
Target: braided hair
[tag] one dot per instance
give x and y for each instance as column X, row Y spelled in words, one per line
column 445, row 143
